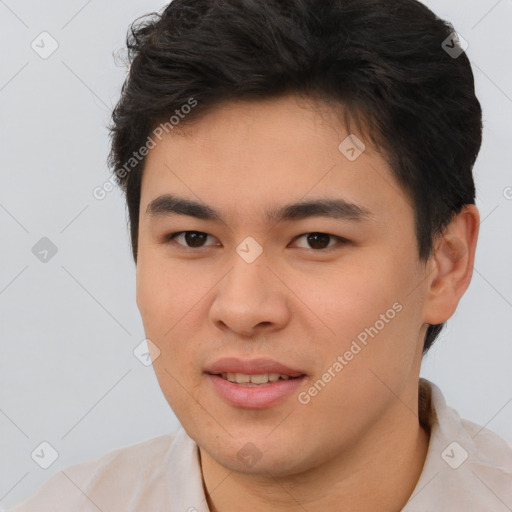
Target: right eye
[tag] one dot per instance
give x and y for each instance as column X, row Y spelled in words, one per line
column 189, row 239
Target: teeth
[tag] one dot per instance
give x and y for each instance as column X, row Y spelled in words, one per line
column 258, row 379
column 264, row 378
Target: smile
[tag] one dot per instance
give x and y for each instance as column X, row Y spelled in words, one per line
column 254, row 380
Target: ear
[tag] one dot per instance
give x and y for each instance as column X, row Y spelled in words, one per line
column 450, row 267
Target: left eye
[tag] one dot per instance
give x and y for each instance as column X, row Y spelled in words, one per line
column 319, row 241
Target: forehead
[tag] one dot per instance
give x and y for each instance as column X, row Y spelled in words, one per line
column 251, row 156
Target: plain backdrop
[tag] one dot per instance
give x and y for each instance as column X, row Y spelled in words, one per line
column 69, row 325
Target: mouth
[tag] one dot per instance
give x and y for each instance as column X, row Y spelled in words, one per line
column 262, row 379
column 257, row 371
column 253, row 384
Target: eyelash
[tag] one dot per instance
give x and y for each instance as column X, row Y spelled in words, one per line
column 171, row 238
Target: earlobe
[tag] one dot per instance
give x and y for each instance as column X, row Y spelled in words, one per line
column 452, row 265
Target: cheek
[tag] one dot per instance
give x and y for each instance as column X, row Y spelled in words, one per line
column 351, row 297
column 370, row 310
column 165, row 291
column 172, row 298
column 167, row 299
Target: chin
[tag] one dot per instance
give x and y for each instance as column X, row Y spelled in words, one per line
column 258, row 455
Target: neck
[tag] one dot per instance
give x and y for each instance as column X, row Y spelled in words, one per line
column 377, row 473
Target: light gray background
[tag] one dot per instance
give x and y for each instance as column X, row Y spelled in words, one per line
column 69, row 326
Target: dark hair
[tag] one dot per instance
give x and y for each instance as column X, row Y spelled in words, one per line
column 382, row 60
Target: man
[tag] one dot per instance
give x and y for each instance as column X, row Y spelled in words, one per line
column 298, row 179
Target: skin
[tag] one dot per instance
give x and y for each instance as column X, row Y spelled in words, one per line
column 358, row 442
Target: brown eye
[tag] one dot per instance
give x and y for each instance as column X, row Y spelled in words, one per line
column 192, row 239
column 319, row 241
column 195, row 238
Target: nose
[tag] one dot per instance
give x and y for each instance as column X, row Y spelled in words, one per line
column 250, row 300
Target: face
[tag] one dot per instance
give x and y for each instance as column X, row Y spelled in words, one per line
column 266, row 251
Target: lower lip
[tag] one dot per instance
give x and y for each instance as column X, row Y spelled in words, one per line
column 254, row 397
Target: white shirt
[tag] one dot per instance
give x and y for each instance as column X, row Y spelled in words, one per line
column 468, row 468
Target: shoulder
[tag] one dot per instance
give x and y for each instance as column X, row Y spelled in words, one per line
column 106, row 482
column 491, row 448
column 468, row 467
column 482, row 448
column 490, row 464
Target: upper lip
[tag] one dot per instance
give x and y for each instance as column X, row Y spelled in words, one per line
column 251, row 367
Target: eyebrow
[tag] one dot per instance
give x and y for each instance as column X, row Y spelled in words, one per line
column 167, row 205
